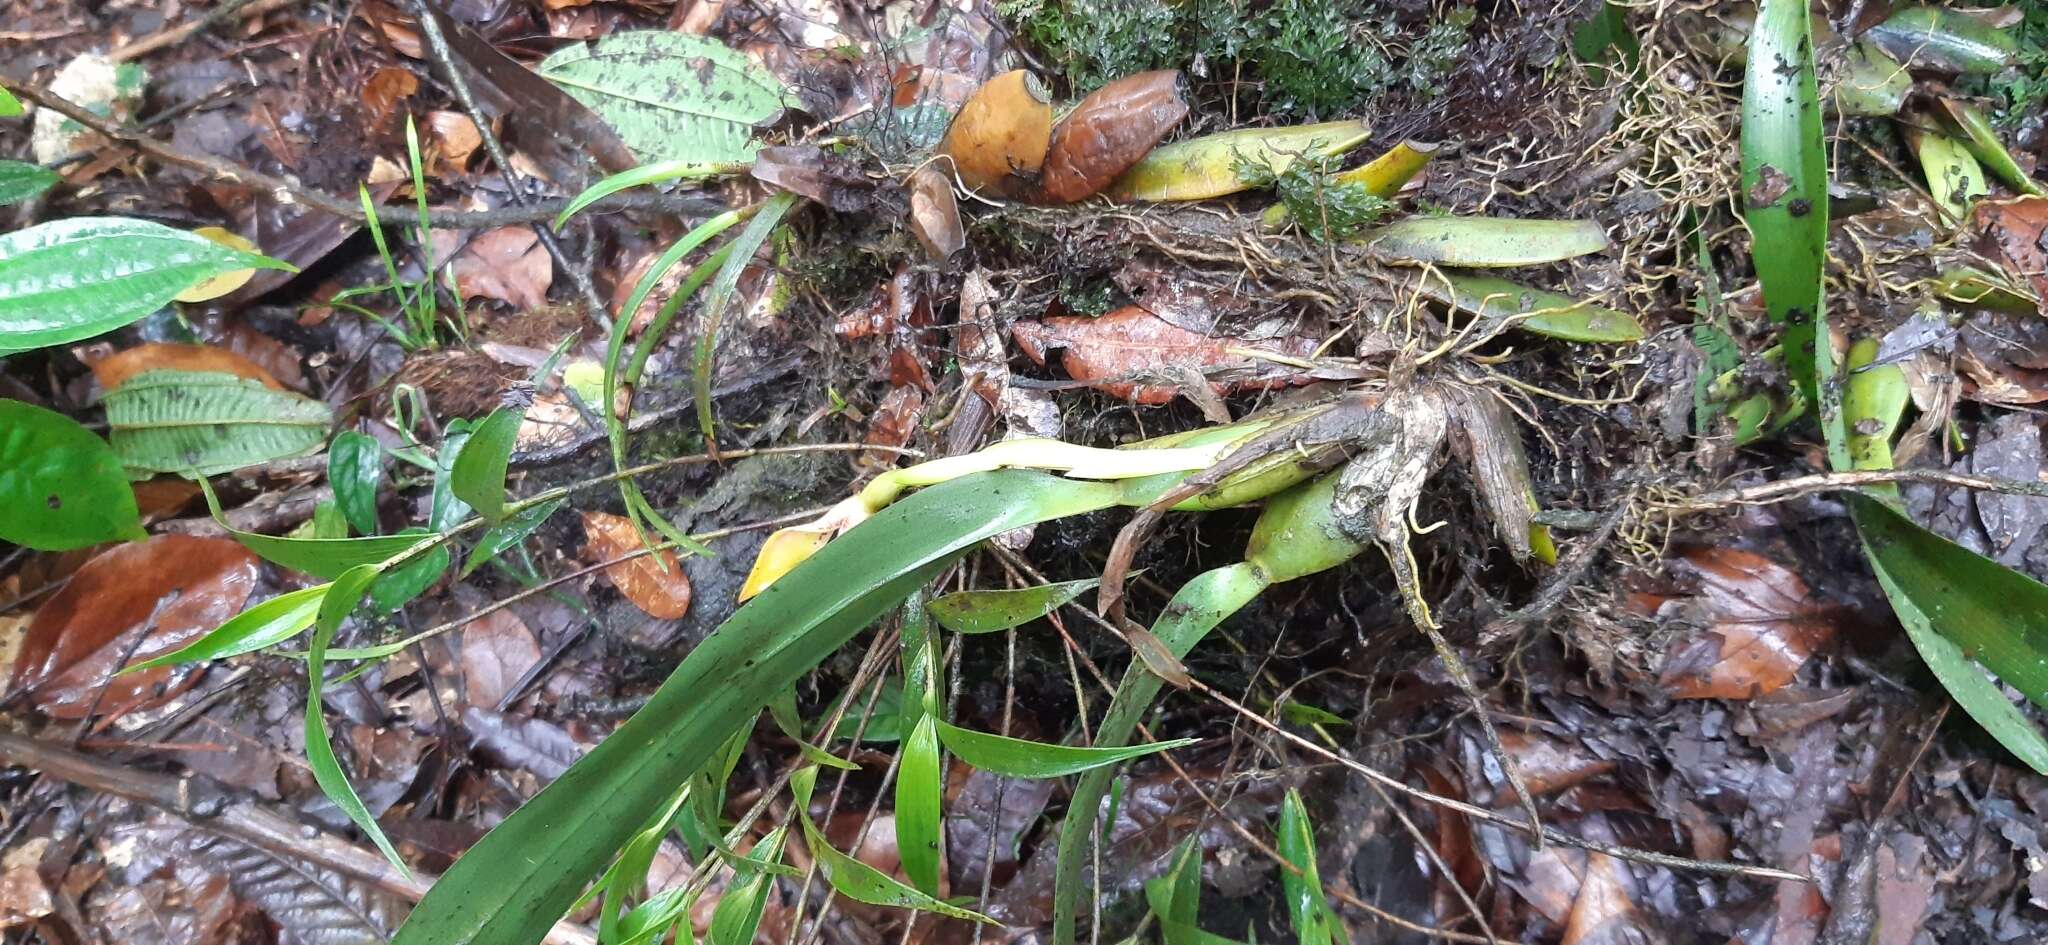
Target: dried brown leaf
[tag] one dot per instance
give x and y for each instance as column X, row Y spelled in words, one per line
column 1113, row 352
column 654, row 583
column 115, row 370
column 507, row 264
column 1107, row 132
column 1765, row 626
column 496, row 651
column 935, row 215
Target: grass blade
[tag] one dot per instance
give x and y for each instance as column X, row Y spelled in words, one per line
column 340, row 599
column 743, row 248
column 1018, row 758
column 1315, row 923
column 991, row 611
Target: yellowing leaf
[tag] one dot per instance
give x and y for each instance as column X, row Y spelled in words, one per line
column 780, row 554
column 214, row 287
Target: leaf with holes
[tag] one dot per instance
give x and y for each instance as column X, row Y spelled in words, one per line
column 61, row 485
column 71, row 279
column 672, row 96
column 204, row 423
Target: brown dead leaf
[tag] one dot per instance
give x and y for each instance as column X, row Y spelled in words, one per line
column 384, row 90
column 164, row 496
column 2016, row 232
column 90, row 629
column 893, row 424
column 116, row 369
column 1110, row 130
column 654, row 583
column 831, row 179
column 1111, row 352
column 935, row 215
column 998, row 139
column 496, row 651
column 455, row 138
column 507, row 264
column 1765, row 625
column 1604, row 913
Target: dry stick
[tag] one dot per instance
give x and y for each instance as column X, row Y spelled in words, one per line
column 177, row 34
column 290, row 191
column 437, row 43
column 1780, row 490
column 206, row 806
column 1561, row 581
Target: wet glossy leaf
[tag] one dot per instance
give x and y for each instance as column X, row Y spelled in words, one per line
column 739, row 911
column 355, row 470
column 1384, row 176
column 1765, row 626
column 1950, row 40
column 1207, row 167
column 672, row 96
column 508, row 533
column 121, row 367
column 399, row 584
column 62, row 485
column 266, row 624
column 1018, row 758
column 1483, row 242
column 72, row 279
column 1107, row 132
column 203, row 423
column 1954, row 177
column 1315, row 923
column 167, row 591
column 341, row 598
column 998, row 139
column 20, row 180
column 990, row 611
column 1544, row 313
column 1983, row 141
column 479, row 470
column 1113, row 351
column 1872, row 83
column 919, row 787
column 654, row 583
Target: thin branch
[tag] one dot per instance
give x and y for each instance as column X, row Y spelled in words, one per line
column 177, row 34
column 1782, row 489
column 1565, row 577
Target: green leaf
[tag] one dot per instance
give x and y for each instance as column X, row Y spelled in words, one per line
column 863, row 883
column 990, row 611
column 1954, row 178
column 1983, row 141
column 1017, row 758
column 512, row 886
column 329, row 558
column 478, row 476
column 10, row 106
column 266, row 624
column 740, row 252
column 645, row 174
column 1485, row 242
column 1542, row 312
column 672, row 96
column 1315, row 923
column 738, row 914
column 446, row 509
column 920, row 828
column 66, row 280
column 61, row 485
column 342, row 597
column 1785, row 197
column 1950, row 40
column 20, row 180
column 1176, row 898
column 399, row 584
column 202, row 423
column 355, row 470
column 509, row 532
column 1872, row 85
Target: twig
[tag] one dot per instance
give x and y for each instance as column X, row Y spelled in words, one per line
column 177, row 34
column 437, row 44
column 1782, row 489
column 289, row 191
column 206, row 806
column 1560, row 583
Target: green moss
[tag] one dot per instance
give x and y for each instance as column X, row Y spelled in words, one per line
column 1323, row 208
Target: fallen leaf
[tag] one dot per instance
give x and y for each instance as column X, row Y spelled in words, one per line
column 131, row 603
column 892, row 424
column 2014, row 232
column 507, row 264
column 225, row 283
column 383, row 91
column 935, row 215
column 810, row 171
column 999, row 138
column 1765, row 625
column 115, row 370
column 1604, row 913
column 455, row 138
column 1110, row 130
column 1112, row 352
column 654, row 583
column 496, row 651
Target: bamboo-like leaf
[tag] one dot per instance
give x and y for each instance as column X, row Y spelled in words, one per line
column 920, row 787
column 991, row 611
column 478, row 475
column 509, row 532
column 512, row 886
column 61, row 485
column 739, row 911
column 863, row 883
column 266, row 624
column 401, row 582
column 1018, row 758
column 1542, row 312
column 342, row 597
column 1315, row 923
column 1485, row 242
column 719, row 297
column 203, row 423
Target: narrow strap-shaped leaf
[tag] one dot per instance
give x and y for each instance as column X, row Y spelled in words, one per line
column 738, row 914
column 655, row 173
column 266, row 624
column 920, row 788
column 1315, row 923
column 990, row 611
column 1018, row 758
column 743, row 248
column 509, row 532
column 863, row 883
column 341, row 598
column 1485, row 242
column 321, row 557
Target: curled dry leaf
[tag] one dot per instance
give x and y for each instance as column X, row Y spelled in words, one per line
column 507, row 264
column 1765, row 626
column 114, row 370
column 2016, row 232
column 1108, row 132
column 999, row 138
column 654, row 583
column 935, row 215
column 455, row 138
column 89, row 630
column 892, row 424
column 831, row 179
column 383, row 91
column 1113, row 352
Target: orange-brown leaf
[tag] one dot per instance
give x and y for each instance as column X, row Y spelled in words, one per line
column 507, row 264
column 654, row 583
column 116, row 369
column 998, row 139
column 89, row 630
column 1110, row 351
column 1110, row 130
column 2017, row 231
column 1765, row 626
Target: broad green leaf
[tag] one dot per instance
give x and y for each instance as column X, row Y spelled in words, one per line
column 355, row 470
column 67, row 280
column 20, row 180
column 266, row 624
column 1608, row 29
column 61, row 485
column 920, row 787
column 1951, row 40
column 1485, row 242
column 328, row 522
column 1018, row 758
column 342, row 597
column 738, row 914
column 10, row 107
column 478, row 476
column 203, row 423
column 1544, row 313
column 1954, row 177
column 509, row 532
column 656, row 173
column 1315, row 923
column 990, row 611
column 672, row 96
column 863, row 883
column 511, row 887
column 399, row 584
column 1785, row 197
column 446, row 509
column 1872, row 85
